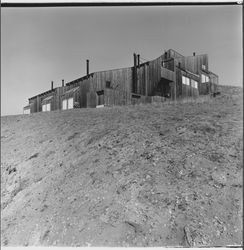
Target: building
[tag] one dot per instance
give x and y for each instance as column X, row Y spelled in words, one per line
column 170, row 76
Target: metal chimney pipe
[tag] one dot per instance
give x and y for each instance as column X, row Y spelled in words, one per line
column 62, row 83
column 51, row 85
column 87, row 67
column 134, row 59
column 194, row 53
column 134, row 74
column 138, row 60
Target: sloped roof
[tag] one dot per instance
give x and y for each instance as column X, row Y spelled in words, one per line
column 72, row 90
column 47, row 98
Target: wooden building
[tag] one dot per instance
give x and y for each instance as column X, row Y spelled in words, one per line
column 170, row 76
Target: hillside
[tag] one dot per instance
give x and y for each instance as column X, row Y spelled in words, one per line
column 146, row 175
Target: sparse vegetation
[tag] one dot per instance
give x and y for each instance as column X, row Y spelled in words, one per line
column 146, row 175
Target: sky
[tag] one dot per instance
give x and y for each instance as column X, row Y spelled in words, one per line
column 40, row 45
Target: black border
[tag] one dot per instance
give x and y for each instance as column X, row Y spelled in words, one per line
column 113, row 4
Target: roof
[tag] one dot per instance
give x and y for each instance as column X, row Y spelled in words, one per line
column 44, row 93
column 187, row 71
column 48, row 98
column 71, row 90
column 27, row 107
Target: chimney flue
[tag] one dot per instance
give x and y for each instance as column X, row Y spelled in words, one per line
column 51, row 85
column 194, row 53
column 87, row 67
column 138, row 60
column 62, row 83
column 134, row 59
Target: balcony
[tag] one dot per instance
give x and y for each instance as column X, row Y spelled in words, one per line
column 167, row 74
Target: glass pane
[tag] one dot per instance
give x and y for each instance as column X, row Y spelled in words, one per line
column 70, row 103
column 64, row 104
column 48, row 108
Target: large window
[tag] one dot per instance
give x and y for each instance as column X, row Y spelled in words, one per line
column 68, row 103
column 194, row 84
column 204, row 78
column 185, row 80
column 46, row 107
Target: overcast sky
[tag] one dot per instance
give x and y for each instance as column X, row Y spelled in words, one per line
column 40, row 45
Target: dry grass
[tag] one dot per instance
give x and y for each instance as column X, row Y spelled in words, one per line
column 147, row 175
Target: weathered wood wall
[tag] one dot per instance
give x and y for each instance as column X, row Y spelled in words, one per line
column 151, row 79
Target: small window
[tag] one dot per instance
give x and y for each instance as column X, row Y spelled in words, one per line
column 108, row 84
column 100, row 97
column 194, row 84
column 136, row 96
column 27, row 111
column 101, row 92
column 185, row 80
column 64, row 104
column 70, row 103
column 43, row 107
column 48, row 108
column 204, row 78
column 203, row 66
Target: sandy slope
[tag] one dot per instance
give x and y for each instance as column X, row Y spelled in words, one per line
column 147, row 175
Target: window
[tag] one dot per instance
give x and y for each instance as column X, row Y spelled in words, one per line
column 27, row 111
column 70, row 103
column 64, row 104
column 136, row 96
column 203, row 66
column 46, row 107
column 185, row 80
column 100, row 97
column 43, row 107
column 204, row 78
column 194, row 84
column 108, row 84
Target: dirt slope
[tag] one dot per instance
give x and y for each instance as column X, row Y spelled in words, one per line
column 146, row 175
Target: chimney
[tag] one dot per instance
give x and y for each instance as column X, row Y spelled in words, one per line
column 194, row 53
column 51, row 85
column 165, row 55
column 134, row 59
column 134, row 74
column 138, row 61
column 62, row 83
column 87, row 67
